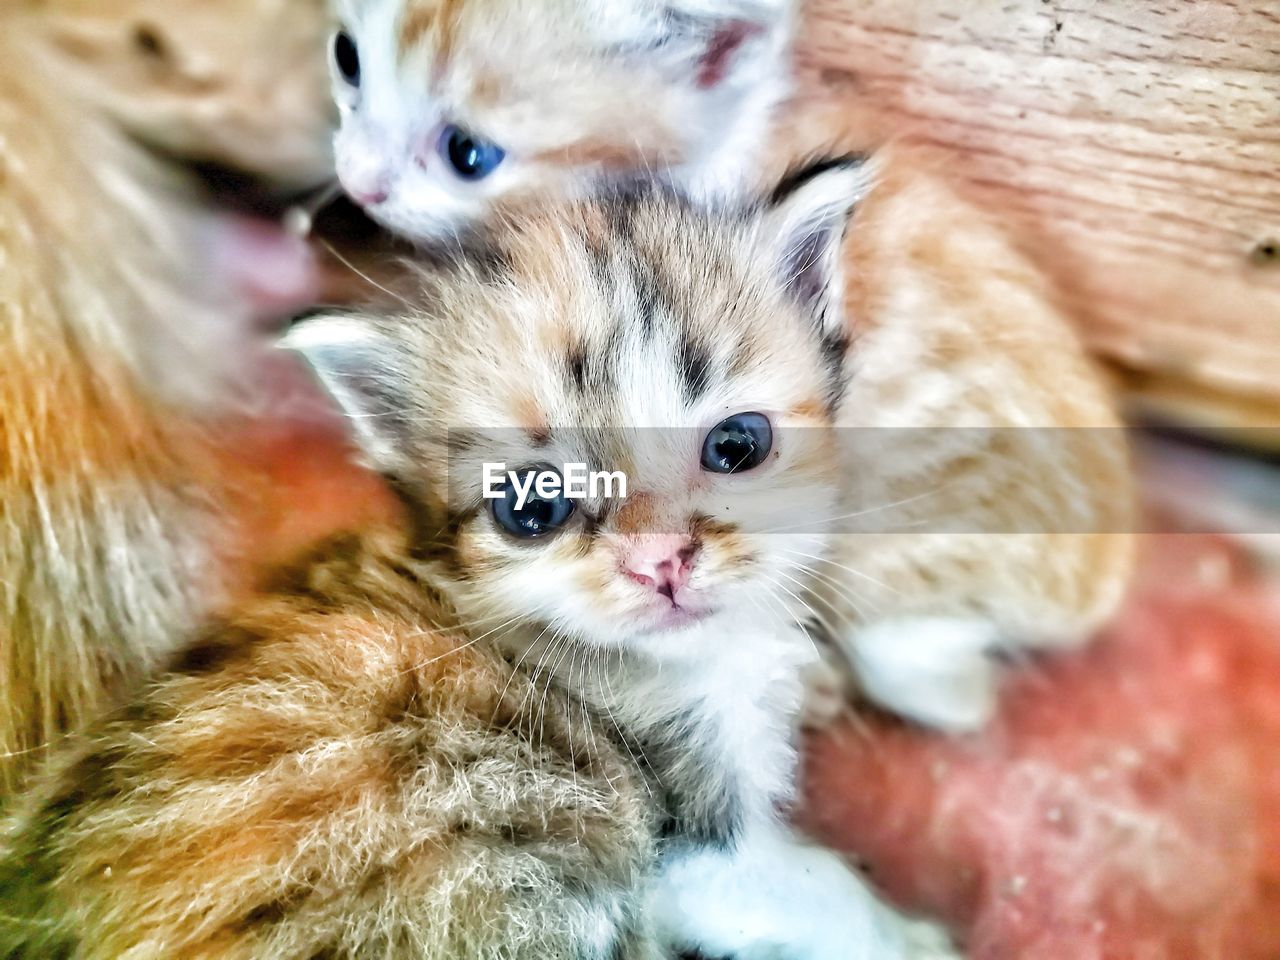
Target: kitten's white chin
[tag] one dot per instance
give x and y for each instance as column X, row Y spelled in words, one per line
column 677, row 618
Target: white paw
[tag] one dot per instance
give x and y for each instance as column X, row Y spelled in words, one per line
column 928, row 941
column 776, row 898
column 936, row 671
column 826, row 694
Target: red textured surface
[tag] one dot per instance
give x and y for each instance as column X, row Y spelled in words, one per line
column 293, row 475
column 1125, row 805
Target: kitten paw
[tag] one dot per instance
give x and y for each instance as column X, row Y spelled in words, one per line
column 775, row 898
column 936, row 671
column 924, row 940
column 826, row 694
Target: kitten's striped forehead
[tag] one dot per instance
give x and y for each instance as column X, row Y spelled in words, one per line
column 638, row 310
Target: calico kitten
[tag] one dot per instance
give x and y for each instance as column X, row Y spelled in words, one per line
column 449, row 105
column 127, row 323
column 314, row 778
column 697, row 352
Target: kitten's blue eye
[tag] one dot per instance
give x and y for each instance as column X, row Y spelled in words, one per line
column 538, row 517
column 738, row 444
column 346, row 57
column 471, row 157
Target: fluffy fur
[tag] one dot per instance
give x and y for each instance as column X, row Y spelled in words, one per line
column 239, row 83
column 338, row 771
column 578, row 93
column 120, row 337
column 549, row 340
column 987, row 499
column 582, row 95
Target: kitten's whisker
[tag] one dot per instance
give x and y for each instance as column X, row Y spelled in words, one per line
column 27, row 751
column 846, row 569
column 568, row 729
column 818, row 596
column 626, row 741
column 602, row 683
column 843, row 590
column 526, row 700
column 515, row 668
column 553, row 672
column 400, row 298
column 858, row 513
column 589, row 656
column 796, row 620
column 803, row 606
column 470, row 643
column 563, row 649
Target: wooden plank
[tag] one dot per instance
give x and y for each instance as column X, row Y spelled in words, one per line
column 1133, row 146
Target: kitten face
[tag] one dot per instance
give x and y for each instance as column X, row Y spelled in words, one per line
column 448, row 105
column 697, row 353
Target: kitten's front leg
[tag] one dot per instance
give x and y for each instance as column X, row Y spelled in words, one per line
column 775, row 897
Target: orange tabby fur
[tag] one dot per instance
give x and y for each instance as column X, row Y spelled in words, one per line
column 576, row 94
column 990, row 494
column 118, row 351
column 336, row 771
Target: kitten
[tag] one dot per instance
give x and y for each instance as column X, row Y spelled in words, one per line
column 449, row 105
column 988, row 503
column 328, row 717
column 125, row 333
column 692, row 350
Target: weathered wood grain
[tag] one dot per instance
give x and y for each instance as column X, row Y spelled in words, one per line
column 1132, row 145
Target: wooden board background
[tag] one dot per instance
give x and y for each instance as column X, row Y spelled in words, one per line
column 1133, row 146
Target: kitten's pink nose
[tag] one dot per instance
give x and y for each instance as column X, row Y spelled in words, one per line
column 365, row 181
column 661, row 562
column 369, row 198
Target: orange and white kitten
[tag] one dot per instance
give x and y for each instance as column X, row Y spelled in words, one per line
column 449, row 105
column 987, row 499
column 229, row 82
column 127, row 322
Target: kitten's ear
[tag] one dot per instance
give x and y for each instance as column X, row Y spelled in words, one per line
column 721, row 29
column 806, row 219
column 363, row 371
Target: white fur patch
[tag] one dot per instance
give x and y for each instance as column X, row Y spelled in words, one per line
column 777, row 898
column 936, row 671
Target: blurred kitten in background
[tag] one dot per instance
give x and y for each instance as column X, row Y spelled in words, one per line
column 449, row 105
column 230, row 82
column 988, row 504
column 129, row 320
